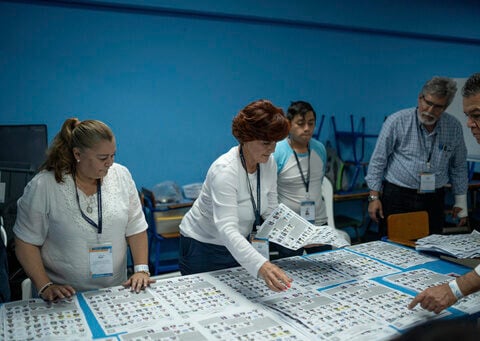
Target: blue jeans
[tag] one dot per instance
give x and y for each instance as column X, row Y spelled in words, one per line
column 197, row 257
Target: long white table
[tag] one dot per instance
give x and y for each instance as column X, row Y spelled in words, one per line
column 360, row 292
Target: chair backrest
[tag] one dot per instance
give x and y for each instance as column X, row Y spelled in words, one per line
column 26, row 289
column 407, row 227
column 148, row 212
column 3, row 232
column 327, row 193
column 148, row 194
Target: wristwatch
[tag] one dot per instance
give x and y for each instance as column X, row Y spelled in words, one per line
column 372, row 197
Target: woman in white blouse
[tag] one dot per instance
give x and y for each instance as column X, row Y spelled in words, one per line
column 77, row 215
column 239, row 191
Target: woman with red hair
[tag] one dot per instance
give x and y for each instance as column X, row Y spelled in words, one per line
column 239, row 191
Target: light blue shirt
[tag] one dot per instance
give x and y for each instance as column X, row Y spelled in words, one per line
column 403, row 149
column 291, row 188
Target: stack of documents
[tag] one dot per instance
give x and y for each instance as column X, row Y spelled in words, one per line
column 287, row 228
column 459, row 245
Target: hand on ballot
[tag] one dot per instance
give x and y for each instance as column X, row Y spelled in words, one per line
column 275, row 278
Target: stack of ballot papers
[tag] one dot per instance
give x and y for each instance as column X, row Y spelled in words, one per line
column 287, row 228
column 457, row 245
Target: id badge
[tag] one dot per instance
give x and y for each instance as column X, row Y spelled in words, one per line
column 101, row 260
column 261, row 245
column 427, row 183
column 307, row 210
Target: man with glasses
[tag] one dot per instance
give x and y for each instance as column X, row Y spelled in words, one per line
column 418, row 152
column 443, row 296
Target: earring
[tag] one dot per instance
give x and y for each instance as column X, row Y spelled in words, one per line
column 78, row 160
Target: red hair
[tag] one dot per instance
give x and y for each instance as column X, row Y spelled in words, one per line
column 260, row 120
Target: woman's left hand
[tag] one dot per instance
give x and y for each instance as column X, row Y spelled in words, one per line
column 138, row 281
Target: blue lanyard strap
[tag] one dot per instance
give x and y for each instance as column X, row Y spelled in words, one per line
column 431, row 148
column 99, row 206
column 306, row 181
column 256, row 209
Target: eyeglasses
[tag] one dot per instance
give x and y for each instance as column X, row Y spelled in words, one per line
column 434, row 106
column 474, row 117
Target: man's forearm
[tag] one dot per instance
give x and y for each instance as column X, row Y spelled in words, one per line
column 470, row 282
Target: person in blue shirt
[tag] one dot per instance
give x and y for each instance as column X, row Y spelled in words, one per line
column 419, row 151
column 301, row 163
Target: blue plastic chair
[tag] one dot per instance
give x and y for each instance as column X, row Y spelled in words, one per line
column 163, row 252
column 353, row 137
column 318, row 128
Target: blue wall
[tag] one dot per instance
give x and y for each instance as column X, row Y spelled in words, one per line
column 169, row 76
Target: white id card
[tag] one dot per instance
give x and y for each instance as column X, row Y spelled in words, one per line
column 261, row 245
column 307, row 210
column 427, row 183
column 101, row 260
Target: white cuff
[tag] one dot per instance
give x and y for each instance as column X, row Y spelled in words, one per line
column 461, row 202
column 477, row 269
column 141, row 268
column 455, row 289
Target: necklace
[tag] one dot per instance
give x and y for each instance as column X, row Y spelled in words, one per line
column 91, row 201
column 98, row 226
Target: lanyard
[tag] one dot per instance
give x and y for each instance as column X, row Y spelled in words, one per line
column 306, row 182
column 431, row 150
column 99, row 205
column 429, row 156
column 256, row 209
